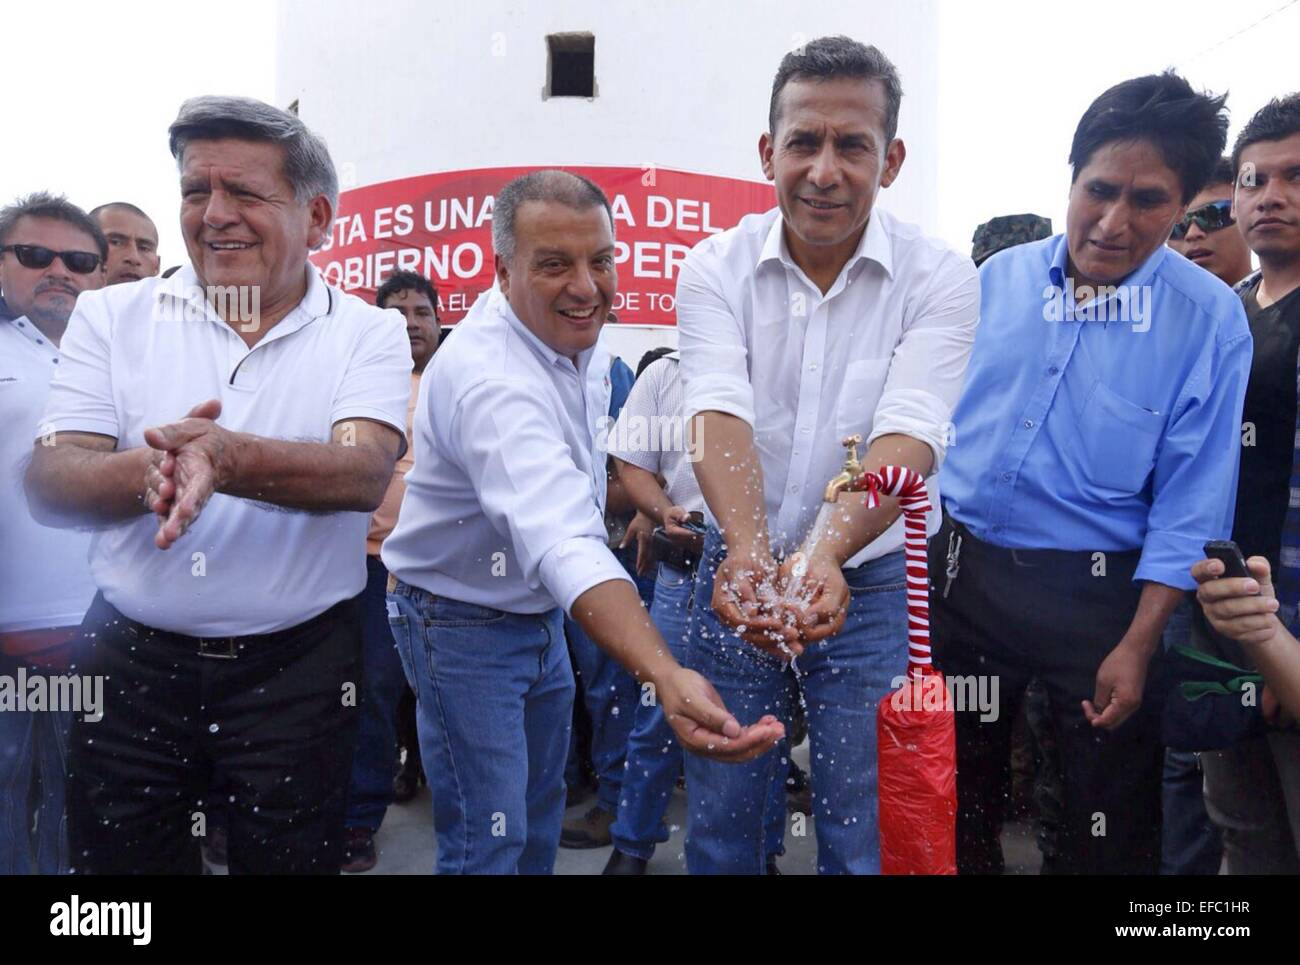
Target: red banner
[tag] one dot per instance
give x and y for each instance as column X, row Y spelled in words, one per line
column 440, row 225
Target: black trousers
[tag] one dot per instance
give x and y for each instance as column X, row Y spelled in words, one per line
column 1054, row 615
column 267, row 735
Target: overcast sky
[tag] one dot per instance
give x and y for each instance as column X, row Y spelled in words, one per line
column 93, row 124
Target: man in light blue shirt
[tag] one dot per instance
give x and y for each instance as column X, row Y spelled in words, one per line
column 1095, row 451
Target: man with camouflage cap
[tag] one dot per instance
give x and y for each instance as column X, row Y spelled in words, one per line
column 1007, row 231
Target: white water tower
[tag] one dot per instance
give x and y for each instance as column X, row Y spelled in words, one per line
column 429, row 107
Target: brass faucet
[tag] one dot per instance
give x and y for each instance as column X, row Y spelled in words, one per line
column 851, row 473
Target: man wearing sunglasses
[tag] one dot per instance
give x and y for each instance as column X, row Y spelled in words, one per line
column 252, row 412
column 1208, row 236
column 1201, row 235
column 47, row 257
column 1252, row 789
column 45, row 583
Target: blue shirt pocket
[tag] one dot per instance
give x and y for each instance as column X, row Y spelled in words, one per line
column 1120, row 439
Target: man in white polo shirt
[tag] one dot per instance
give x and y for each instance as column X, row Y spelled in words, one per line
column 50, row 251
column 229, row 549
column 502, row 527
column 824, row 318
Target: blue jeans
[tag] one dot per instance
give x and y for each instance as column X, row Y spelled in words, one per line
column 495, row 702
column 1190, row 844
column 33, row 742
column 843, row 678
column 611, row 696
column 654, row 758
column 370, row 788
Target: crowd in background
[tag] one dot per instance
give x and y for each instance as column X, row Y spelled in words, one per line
column 307, row 558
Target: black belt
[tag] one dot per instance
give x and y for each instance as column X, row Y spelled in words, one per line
column 227, row 648
column 1037, row 558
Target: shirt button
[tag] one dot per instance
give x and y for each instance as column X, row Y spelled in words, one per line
column 1053, row 370
column 794, row 488
column 812, row 367
column 805, row 430
column 1029, row 423
column 1006, row 477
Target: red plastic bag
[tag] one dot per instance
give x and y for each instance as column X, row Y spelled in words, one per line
column 916, row 760
column 916, row 743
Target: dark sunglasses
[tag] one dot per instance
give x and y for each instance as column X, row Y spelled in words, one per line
column 36, row 256
column 1208, row 217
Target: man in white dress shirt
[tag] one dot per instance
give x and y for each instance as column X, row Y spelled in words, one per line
column 230, row 545
column 50, row 251
column 502, row 531
column 824, row 318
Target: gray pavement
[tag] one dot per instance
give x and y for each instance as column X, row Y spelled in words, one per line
column 405, row 843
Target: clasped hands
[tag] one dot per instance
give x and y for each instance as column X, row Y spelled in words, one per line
column 190, row 460
column 781, row 608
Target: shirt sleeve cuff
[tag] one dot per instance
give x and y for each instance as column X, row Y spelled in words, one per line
column 924, row 428
column 732, row 396
column 1168, row 558
column 574, row 566
column 99, row 427
column 372, row 413
column 649, row 461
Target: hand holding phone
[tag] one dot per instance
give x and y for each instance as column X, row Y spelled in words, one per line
column 1229, row 554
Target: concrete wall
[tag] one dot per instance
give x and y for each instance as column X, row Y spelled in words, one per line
column 401, row 87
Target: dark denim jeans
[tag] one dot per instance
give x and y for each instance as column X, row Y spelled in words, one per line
column 843, row 678
column 33, row 744
column 1190, row 844
column 374, row 764
column 495, row 699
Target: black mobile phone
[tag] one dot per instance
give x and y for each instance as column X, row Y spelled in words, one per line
column 1229, row 554
column 698, row 528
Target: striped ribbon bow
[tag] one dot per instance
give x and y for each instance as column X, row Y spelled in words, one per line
column 909, row 486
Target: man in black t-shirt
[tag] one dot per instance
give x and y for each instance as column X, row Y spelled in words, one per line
column 1252, row 789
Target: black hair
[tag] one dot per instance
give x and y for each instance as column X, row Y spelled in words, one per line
column 652, row 356
column 125, row 205
column 1189, row 129
column 1223, row 173
column 827, row 58
column 405, row 281
column 1275, row 121
column 42, row 204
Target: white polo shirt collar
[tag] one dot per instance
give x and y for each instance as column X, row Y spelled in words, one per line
column 185, row 296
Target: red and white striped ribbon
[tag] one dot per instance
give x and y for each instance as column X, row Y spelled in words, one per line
column 909, row 486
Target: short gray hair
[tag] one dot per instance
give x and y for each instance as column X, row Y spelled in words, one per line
column 551, row 184
column 55, row 207
column 307, row 163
